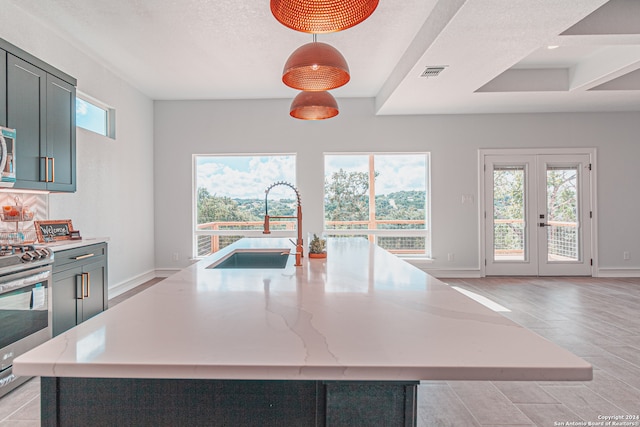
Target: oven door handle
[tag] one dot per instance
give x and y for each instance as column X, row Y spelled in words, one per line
column 7, row 377
column 25, row 281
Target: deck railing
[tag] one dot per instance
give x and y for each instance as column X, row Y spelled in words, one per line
column 562, row 238
column 397, row 236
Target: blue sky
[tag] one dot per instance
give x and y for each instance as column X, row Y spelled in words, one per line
column 90, row 117
column 248, row 176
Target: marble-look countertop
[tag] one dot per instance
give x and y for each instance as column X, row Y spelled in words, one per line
column 360, row 314
column 63, row 245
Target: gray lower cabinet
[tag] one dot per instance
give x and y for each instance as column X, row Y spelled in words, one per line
column 197, row 402
column 79, row 289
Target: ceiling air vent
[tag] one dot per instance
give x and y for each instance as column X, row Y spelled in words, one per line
column 433, row 71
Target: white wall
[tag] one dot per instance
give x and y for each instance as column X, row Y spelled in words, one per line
column 183, row 128
column 122, row 183
column 114, row 196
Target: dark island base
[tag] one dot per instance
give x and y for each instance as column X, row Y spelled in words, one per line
column 176, row 402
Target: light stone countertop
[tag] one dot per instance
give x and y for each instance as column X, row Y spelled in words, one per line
column 63, row 245
column 360, row 314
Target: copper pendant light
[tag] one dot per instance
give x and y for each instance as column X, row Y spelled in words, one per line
column 315, row 66
column 314, row 106
column 322, row 16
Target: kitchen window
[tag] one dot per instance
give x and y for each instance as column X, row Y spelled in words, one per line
column 229, row 198
column 381, row 197
column 95, row 116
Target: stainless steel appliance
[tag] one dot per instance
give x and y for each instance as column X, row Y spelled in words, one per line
column 25, row 306
column 7, row 157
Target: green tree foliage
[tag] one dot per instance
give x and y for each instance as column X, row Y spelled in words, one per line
column 214, row 208
column 401, row 205
column 347, row 196
column 561, row 195
column 509, row 202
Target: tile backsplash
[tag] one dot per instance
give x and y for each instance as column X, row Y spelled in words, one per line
column 17, row 231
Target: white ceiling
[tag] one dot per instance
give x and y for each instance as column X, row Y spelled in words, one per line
column 494, row 52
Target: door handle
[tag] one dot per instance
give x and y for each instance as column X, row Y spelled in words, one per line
column 82, row 286
column 544, row 224
column 53, row 169
column 46, row 168
column 87, row 295
column 83, row 256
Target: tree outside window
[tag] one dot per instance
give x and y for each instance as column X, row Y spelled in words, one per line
column 229, row 197
column 382, row 197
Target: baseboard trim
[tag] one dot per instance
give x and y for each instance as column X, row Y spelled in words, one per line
column 619, row 272
column 450, row 274
column 166, row 272
column 127, row 285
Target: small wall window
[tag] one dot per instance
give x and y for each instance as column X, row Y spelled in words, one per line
column 95, row 116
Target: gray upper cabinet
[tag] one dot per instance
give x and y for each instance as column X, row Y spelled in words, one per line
column 3, row 88
column 26, row 103
column 40, row 105
column 61, row 135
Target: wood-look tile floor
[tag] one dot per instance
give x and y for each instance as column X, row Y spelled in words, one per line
column 595, row 318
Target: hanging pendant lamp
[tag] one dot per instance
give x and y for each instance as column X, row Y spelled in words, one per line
column 314, row 106
column 322, row 16
column 315, row 66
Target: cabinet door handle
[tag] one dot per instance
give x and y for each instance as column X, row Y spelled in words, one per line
column 46, row 168
column 88, row 285
column 82, row 285
column 84, row 256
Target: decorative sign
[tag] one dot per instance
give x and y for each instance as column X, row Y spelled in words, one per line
column 53, row 230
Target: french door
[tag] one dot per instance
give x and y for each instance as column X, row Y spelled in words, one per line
column 538, row 214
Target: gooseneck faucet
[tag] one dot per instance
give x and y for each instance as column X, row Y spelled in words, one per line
column 299, row 245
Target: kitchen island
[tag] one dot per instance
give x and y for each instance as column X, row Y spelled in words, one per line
column 339, row 341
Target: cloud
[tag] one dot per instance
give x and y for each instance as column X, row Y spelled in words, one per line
column 248, row 176
column 245, row 176
column 396, row 172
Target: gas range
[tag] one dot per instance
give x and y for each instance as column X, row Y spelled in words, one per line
column 25, row 305
column 21, row 257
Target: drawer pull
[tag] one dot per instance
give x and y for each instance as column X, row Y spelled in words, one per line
column 84, row 256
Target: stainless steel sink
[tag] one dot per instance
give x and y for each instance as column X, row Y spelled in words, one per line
column 254, row 259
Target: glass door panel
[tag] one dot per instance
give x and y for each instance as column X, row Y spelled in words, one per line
column 562, row 214
column 509, row 213
column 537, row 214
column 509, row 248
column 564, row 232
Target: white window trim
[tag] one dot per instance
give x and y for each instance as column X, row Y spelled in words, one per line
column 426, row 232
column 111, row 114
column 194, row 213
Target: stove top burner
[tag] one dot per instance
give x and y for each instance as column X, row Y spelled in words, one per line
column 18, row 257
column 15, row 249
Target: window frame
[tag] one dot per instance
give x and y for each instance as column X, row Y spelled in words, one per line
column 110, row 115
column 373, row 234
column 195, row 233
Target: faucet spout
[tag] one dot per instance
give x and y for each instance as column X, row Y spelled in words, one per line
column 299, row 243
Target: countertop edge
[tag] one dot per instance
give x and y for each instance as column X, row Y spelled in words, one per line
column 72, row 244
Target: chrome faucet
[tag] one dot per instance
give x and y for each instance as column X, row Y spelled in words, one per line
column 299, row 249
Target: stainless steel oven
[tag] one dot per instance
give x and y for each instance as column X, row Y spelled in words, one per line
column 25, row 307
